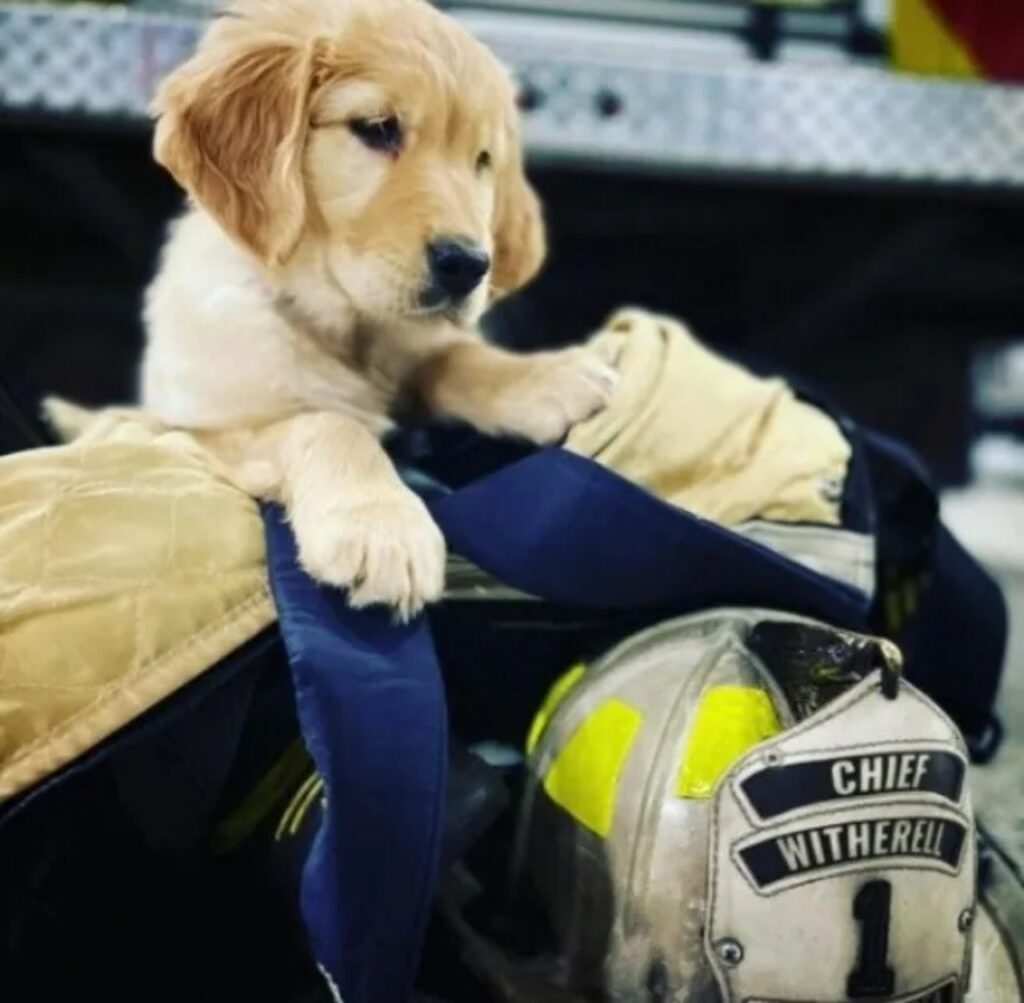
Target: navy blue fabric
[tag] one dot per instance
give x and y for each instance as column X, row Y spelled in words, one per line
column 371, row 708
column 369, row 694
column 561, row 527
column 954, row 638
column 957, row 643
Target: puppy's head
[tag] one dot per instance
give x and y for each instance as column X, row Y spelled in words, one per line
column 377, row 134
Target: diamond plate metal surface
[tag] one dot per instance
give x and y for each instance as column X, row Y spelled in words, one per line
column 102, row 61
column 681, row 105
column 617, row 96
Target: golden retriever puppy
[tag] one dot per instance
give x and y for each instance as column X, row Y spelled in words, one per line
column 357, row 199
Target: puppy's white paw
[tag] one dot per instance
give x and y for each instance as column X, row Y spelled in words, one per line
column 562, row 389
column 384, row 551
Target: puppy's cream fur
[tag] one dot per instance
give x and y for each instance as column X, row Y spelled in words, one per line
column 285, row 325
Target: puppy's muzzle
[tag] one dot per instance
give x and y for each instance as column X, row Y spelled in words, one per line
column 457, row 266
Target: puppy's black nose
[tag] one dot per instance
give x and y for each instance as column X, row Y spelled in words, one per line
column 457, row 265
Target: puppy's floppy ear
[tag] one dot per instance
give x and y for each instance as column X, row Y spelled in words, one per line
column 519, row 241
column 231, row 128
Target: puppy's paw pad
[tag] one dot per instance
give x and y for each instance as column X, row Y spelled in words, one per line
column 385, row 552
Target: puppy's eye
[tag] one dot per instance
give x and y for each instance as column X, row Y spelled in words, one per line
column 384, row 134
column 483, row 161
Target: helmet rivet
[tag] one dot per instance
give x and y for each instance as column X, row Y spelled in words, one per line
column 729, row 951
column 965, row 920
column 773, row 757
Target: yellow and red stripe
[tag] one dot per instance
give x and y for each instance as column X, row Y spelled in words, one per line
column 977, row 38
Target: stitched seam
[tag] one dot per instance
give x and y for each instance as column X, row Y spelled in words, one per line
column 103, row 696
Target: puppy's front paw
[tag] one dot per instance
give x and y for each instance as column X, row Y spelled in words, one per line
column 561, row 389
column 385, row 550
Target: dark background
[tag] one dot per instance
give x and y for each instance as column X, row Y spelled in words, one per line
column 876, row 296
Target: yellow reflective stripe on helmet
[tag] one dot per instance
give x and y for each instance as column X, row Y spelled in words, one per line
column 584, row 778
column 728, row 721
column 559, row 688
